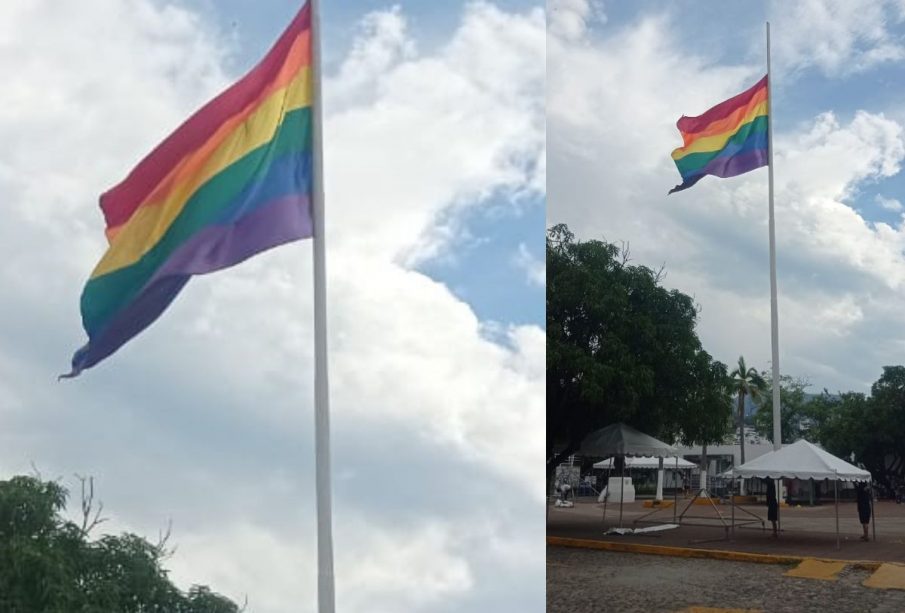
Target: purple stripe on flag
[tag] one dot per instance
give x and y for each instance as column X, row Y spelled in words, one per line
column 213, row 248
column 725, row 166
column 733, row 165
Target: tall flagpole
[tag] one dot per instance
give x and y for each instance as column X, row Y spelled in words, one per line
column 325, row 591
column 774, row 315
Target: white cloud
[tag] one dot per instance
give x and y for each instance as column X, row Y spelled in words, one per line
column 469, row 128
column 818, row 171
column 383, row 43
column 829, row 159
column 378, row 568
column 837, row 37
column 889, row 204
column 534, row 268
column 206, row 417
column 429, row 555
column 569, row 19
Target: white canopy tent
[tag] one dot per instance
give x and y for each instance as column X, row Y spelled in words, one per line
column 801, row 460
column 624, row 441
column 804, row 460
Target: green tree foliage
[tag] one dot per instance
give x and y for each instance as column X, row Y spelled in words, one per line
column 50, row 564
column 801, row 415
column 620, row 347
column 706, row 417
column 870, row 427
column 844, row 428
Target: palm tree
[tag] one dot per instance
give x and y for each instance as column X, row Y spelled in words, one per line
column 746, row 382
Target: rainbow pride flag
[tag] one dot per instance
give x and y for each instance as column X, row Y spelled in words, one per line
column 728, row 140
column 232, row 181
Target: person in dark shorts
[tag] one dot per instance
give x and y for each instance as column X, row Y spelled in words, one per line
column 772, row 505
column 862, row 496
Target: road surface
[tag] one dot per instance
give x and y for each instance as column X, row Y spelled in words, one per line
column 588, row 581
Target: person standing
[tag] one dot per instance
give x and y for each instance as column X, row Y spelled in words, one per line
column 862, row 496
column 772, row 505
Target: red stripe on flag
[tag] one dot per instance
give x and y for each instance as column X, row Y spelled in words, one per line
column 121, row 201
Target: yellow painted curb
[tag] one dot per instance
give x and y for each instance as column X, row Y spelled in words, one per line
column 679, row 552
column 660, row 504
column 810, row 568
column 718, row 610
column 888, row 577
column 689, row 552
column 707, row 501
column 744, row 499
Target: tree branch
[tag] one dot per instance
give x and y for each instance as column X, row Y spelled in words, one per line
column 89, row 522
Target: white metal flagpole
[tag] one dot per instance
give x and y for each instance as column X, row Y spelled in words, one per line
column 774, row 314
column 325, row 589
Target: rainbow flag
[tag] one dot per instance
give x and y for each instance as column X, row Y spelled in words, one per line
column 232, row 181
column 728, row 140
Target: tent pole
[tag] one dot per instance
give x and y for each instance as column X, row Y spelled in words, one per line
column 622, row 491
column 550, row 493
column 675, row 490
column 732, row 503
column 607, row 497
column 836, row 491
column 661, row 477
column 873, row 517
column 778, row 488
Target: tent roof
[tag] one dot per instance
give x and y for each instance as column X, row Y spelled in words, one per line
column 647, row 462
column 622, row 440
column 801, row 460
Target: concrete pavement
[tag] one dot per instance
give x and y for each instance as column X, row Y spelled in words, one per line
column 806, row 531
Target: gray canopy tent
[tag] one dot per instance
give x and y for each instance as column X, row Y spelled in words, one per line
column 620, row 440
column 804, row 460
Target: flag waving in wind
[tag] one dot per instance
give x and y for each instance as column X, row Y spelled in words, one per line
column 234, row 180
column 728, row 140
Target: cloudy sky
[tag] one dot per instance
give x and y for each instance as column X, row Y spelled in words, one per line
column 621, row 74
column 435, row 164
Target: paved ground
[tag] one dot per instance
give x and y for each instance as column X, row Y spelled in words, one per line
column 807, row 531
column 585, row 581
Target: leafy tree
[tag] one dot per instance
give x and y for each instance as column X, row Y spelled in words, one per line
column 845, row 426
column 886, row 424
column 872, row 428
column 49, row 563
column 746, row 381
column 707, row 416
column 620, row 347
column 202, row 599
column 867, row 428
column 801, row 415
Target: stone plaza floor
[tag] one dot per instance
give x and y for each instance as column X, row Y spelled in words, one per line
column 805, row 531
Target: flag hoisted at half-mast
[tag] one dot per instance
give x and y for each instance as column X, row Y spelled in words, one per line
column 728, row 140
column 232, row 181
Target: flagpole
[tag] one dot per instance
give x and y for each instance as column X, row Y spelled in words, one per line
column 774, row 315
column 325, row 589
